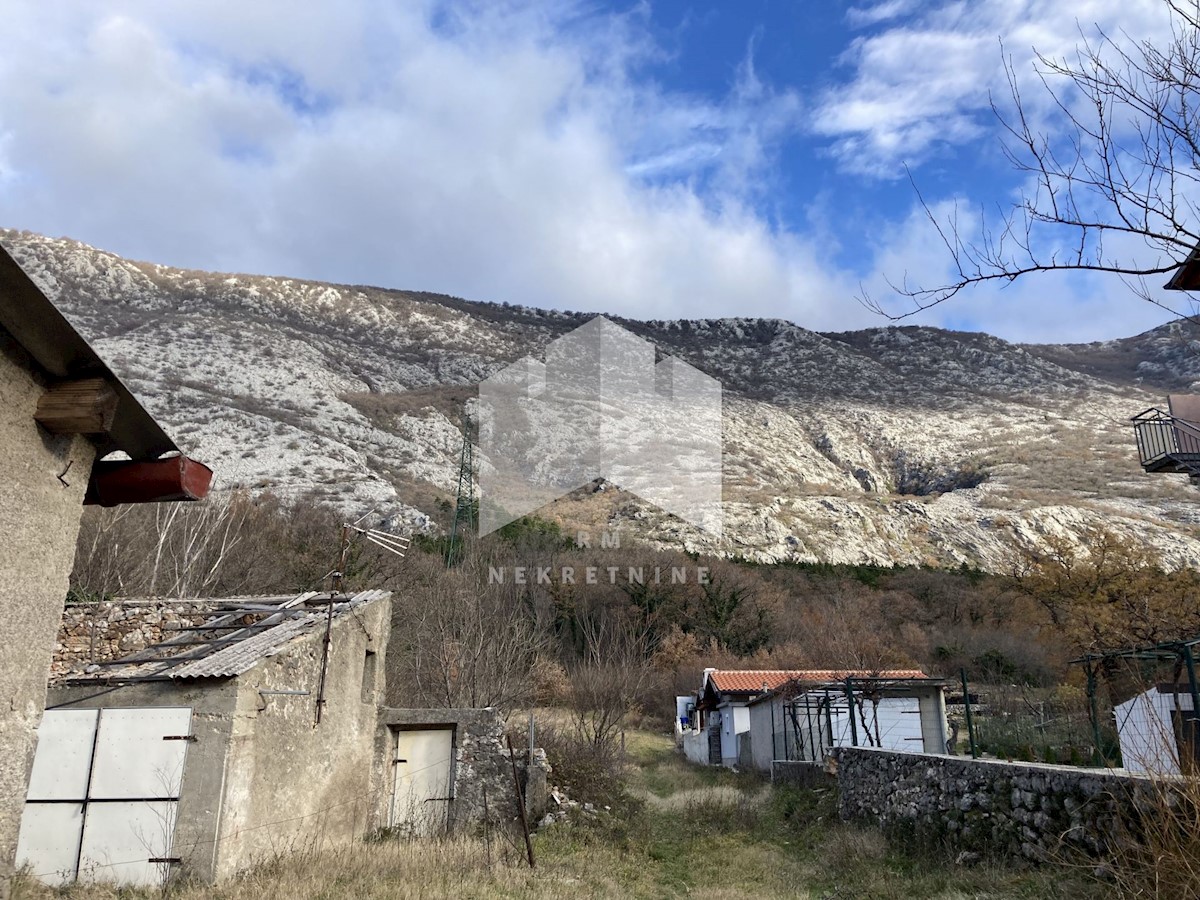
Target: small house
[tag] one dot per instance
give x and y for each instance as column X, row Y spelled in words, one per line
column 245, row 727
column 752, row 717
column 219, row 744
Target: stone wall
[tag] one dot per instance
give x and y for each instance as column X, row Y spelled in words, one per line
column 95, row 632
column 483, row 784
column 1026, row 809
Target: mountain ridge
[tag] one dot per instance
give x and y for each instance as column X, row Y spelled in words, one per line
column 891, row 445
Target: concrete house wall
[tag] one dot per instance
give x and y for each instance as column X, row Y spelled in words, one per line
column 289, row 782
column 39, row 521
column 40, row 511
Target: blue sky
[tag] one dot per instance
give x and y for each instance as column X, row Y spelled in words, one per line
column 657, row 159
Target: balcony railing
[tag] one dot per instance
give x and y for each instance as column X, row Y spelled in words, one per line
column 1162, row 439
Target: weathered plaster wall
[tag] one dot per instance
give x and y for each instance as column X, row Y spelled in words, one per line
column 291, row 783
column 39, row 518
column 212, row 702
column 1017, row 809
column 696, row 747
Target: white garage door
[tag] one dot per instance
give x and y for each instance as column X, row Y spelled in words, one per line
column 423, row 780
column 103, row 795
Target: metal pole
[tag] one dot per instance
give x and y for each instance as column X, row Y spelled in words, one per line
column 786, row 755
column 512, row 758
column 808, row 722
column 772, row 702
column 850, row 701
column 1191, row 670
column 829, row 717
column 970, row 721
column 1098, row 751
column 335, row 588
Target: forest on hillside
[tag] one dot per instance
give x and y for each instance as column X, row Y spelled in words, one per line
column 474, row 632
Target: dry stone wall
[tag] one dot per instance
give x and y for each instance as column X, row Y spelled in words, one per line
column 94, row 632
column 986, row 806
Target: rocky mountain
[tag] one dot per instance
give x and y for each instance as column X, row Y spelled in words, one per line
column 903, row 445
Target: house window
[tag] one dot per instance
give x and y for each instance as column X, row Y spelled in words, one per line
column 368, row 677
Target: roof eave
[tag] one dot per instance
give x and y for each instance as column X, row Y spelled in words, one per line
column 46, row 335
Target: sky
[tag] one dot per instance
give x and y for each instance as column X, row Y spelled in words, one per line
column 658, row 159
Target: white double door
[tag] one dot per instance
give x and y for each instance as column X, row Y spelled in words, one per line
column 103, row 795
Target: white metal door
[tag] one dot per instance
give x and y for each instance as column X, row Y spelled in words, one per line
column 423, row 780
column 103, row 794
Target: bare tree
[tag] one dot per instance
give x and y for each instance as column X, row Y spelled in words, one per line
column 1114, row 164
column 459, row 640
column 610, row 677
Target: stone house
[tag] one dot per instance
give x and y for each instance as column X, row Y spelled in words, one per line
column 223, row 743
column 61, row 410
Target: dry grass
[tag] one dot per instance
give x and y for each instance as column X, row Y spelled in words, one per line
column 1158, row 848
column 684, row 831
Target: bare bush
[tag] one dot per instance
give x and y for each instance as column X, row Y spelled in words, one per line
column 460, row 641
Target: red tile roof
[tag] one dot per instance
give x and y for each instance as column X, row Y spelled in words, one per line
column 752, row 680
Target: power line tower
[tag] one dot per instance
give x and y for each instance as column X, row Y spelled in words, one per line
column 466, row 505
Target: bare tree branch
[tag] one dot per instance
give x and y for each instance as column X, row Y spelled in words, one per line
column 1114, row 172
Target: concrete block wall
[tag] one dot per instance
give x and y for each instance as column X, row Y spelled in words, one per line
column 1019, row 809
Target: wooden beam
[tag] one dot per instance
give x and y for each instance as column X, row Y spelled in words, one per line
column 87, row 406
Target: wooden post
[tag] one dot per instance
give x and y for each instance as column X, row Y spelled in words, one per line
column 512, row 758
column 86, row 406
column 487, row 826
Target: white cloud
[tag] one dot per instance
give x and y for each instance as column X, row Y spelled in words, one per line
column 505, row 151
column 927, row 81
column 874, row 14
column 493, row 151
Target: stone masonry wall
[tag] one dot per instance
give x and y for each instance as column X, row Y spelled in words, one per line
column 483, row 769
column 94, row 632
column 1034, row 811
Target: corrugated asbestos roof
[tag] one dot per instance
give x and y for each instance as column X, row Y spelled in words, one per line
column 228, row 653
column 748, row 681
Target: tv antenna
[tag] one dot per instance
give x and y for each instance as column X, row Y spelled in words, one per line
column 393, row 543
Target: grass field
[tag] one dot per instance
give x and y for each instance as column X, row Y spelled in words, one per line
column 683, row 831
